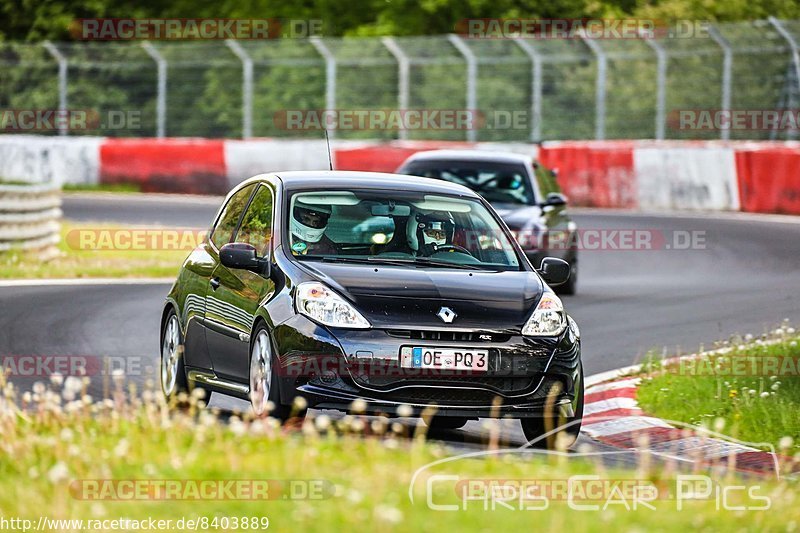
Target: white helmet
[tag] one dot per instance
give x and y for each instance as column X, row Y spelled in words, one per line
column 432, row 229
column 309, row 221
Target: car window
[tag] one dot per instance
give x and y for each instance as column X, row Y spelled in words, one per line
column 231, row 214
column 355, row 224
column 409, row 227
column 505, row 183
column 256, row 227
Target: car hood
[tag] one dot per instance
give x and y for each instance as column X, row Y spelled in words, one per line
column 408, row 297
column 518, row 216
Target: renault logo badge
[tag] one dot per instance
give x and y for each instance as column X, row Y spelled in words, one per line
column 446, row 314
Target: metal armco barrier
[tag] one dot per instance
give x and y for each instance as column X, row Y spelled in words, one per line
column 29, row 218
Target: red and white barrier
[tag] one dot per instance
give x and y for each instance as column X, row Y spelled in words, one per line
column 167, row 165
column 747, row 176
column 40, row 159
column 769, row 178
column 598, row 174
column 686, row 177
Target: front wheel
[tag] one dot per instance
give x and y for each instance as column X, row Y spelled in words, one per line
column 568, row 427
column 173, row 373
column 264, row 391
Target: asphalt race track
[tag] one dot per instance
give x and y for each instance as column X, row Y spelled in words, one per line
column 745, row 278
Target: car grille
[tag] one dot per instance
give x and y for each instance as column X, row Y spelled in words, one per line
column 453, row 396
column 507, row 385
column 445, row 335
column 461, row 395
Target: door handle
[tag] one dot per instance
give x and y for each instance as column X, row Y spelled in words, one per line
column 214, row 283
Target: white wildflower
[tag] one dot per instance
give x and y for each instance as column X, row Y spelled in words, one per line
column 358, row 405
column 323, row 422
column 300, row 403
column 58, row 473
column 122, row 447
column 389, row 514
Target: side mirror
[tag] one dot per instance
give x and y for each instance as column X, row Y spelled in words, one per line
column 555, row 199
column 242, row 255
column 554, row 271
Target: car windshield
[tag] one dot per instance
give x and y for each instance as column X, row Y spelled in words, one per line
column 505, row 183
column 397, row 227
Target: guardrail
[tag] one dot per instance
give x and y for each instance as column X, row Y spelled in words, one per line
column 29, row 218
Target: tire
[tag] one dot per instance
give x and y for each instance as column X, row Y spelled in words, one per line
column 264, row 383
column 534, row 428
column 446, row 422
column 173, row 372
column 571, row 286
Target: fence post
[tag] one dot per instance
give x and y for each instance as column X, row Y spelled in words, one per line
column 661, row 85
column 727, row 74
column 161, row 91
column 62, row 83
column 536, row 87
column 795, row 54
column 247, row 87
column 403, row 68
column 600, row 88
column 330, row 76
column 472, row 81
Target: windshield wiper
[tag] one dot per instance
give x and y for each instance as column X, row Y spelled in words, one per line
column 421, row 261
column 425, row 261
column 341, row 259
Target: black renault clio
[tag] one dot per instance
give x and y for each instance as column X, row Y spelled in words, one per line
column 393, row 293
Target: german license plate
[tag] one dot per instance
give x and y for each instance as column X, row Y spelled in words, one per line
column 445, row 358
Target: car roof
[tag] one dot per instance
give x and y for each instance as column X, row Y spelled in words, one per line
column 471, row 155
column 348, row 179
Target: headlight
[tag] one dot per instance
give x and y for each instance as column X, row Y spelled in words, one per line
column 321, row 304
column 548, row 319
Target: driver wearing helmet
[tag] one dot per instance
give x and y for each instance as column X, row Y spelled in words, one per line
column 308, row 225
column 427, row 233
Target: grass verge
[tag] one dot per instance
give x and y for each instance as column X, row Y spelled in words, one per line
column 105, row 260
column 66, row 457
column 102, row 187
column 749, row 389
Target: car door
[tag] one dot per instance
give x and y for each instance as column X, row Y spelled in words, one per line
column 236, row 294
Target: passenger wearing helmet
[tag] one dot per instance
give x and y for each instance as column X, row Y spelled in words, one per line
column 427, row 233
column 308, row 226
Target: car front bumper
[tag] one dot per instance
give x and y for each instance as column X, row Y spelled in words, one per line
column 332, row 368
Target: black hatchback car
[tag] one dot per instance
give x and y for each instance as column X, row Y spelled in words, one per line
column 395, row 292
column 525, row 194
